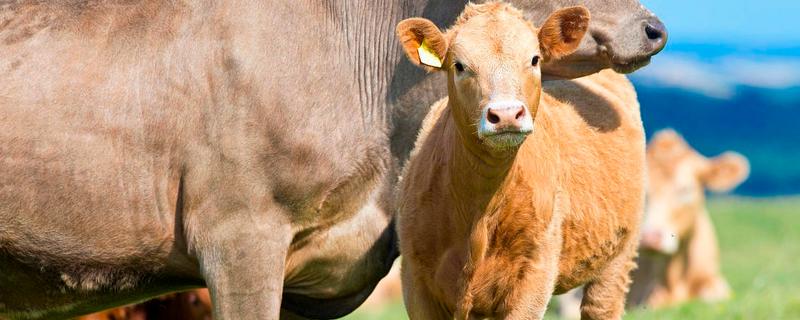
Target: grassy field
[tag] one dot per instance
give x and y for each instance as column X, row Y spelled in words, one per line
column 760, row 242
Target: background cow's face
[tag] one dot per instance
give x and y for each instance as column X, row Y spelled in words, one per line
column 493, row 58
column 677, row 179
column 623, row 35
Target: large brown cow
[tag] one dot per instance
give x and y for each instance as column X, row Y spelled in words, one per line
column 679, row 255
column 148, row 147
column 481, row 216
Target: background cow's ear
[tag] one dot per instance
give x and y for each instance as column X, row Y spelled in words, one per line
column 563, row 31
column 725, row 172
column 423, row 43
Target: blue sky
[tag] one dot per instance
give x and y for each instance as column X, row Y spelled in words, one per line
column 716, row 46
column 751, row 23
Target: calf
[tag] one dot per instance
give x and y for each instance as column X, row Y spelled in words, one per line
column 679, row 258
column 493, row 221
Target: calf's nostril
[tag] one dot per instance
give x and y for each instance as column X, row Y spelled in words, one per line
column 520, row 114
column 492, row 117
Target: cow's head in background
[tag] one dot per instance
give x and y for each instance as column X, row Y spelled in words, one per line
column 493, row 58
column 677, row 179
column 623, row 35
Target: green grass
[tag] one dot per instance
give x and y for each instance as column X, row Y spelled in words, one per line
column 760, row 243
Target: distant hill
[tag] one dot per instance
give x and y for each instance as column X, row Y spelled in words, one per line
column 761, row 123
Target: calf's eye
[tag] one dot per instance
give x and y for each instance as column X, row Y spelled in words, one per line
column 459, row 66
column 535, row 61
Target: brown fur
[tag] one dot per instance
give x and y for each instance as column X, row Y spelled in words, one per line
column 493, row 234
column 689, row 268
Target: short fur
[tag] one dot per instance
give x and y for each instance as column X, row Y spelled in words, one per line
column 678, row 176
column 487, row 234
column 148, row 147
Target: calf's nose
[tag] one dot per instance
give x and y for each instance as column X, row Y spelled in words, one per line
column 506, row 117
column 656, row 33
column 651, row 239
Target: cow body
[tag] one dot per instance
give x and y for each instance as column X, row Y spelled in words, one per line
column 679, row 258
column 150, row 147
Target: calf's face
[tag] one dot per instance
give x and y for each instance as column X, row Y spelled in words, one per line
column 493, row 59
column 677, row 178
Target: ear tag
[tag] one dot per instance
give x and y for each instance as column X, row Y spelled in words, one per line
column 428, row 57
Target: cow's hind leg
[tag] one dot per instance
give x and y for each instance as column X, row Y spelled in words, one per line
column 242, row 257
column 604, row 298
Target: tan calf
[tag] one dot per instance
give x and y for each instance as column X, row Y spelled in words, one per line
column 492, row 220
column 679, row 258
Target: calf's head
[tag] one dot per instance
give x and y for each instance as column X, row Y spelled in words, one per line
column 493, row 57
column 677, row 178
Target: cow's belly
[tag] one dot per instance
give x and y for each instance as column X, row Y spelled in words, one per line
column 38, row 291
column 586, row 253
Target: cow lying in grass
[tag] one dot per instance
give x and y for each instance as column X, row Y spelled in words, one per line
column 679, row 258
column 493, row 223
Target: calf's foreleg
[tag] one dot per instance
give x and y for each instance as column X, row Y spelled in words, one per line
column 538, row 286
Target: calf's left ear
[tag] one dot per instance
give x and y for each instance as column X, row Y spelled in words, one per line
column 423, row 42
column 725, row 172
column 563, row 31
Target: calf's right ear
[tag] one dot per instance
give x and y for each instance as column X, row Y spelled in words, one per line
column 726, row 171
column 562, row 32
column 423, row 43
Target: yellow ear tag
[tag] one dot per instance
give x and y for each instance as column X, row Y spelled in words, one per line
column 428, row 57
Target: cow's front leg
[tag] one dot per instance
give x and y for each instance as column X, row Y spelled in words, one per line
column 604, row 298
column 243, row 261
